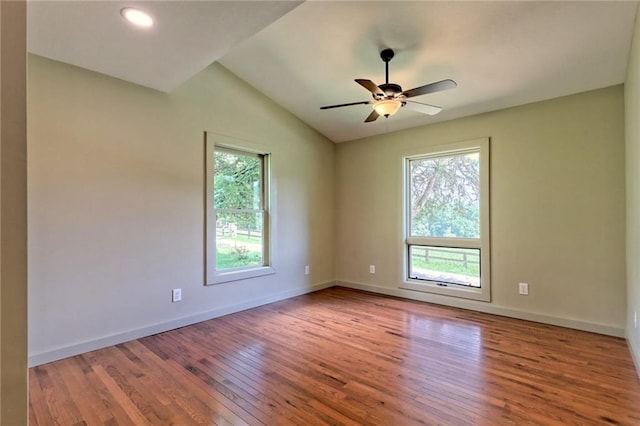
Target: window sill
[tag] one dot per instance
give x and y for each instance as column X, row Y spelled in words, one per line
column 237, row 275
column 481, row 294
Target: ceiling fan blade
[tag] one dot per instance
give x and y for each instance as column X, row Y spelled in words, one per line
column 344, row 105
column 430, row 88
column 423, row 108
column 372, row 117
column 370, row 86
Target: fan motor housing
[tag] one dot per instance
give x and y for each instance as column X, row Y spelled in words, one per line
column 391, row 89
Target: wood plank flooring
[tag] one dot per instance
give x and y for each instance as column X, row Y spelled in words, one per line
column 344, row 357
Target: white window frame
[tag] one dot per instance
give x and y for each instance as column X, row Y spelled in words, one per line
column 483, row 293
column 225, row 143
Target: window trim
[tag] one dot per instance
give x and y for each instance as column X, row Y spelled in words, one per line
column 483, row 293
column 212, row 276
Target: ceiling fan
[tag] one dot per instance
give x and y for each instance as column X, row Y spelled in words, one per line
column 389, row 97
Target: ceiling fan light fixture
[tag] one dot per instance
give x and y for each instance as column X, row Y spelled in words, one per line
column 387, row 107
column 389, row 97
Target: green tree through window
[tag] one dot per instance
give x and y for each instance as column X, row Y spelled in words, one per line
column 445, row 196
column 239, row 209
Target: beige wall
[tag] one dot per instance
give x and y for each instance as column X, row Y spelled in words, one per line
column 557, row 209
column 116, row 204
column 13, row 215
column 632, row 127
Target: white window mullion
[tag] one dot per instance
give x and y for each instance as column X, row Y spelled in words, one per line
column 445, row 242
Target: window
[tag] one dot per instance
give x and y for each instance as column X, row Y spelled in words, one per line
column 237, row 214
column 446, row 229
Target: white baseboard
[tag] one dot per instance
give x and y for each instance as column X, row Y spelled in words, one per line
column 488, row 308
column 115, row 339
column 633, row 348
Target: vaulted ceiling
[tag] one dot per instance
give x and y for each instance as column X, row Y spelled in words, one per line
column 306, row 55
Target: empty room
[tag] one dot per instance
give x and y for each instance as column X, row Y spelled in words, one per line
column 319, row 212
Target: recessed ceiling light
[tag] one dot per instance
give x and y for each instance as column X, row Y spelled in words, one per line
column 137, row 17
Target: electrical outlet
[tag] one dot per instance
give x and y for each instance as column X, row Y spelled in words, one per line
column 176, row 295
column 372, row 269
column 523, row 289
column 306, row 269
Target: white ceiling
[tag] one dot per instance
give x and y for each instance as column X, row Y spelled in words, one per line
column 187, row 36
column 501, row 54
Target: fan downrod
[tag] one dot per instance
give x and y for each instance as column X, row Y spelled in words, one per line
column 390, row 90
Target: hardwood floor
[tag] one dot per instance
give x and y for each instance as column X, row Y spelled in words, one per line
column 340, row 356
